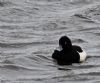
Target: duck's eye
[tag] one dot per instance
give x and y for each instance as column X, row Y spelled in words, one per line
column 65, row 43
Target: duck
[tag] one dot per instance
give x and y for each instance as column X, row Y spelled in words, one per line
column 68, row 53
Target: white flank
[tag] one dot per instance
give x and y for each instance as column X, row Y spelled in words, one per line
column 83, row 56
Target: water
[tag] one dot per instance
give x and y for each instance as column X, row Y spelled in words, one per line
column 29, row 33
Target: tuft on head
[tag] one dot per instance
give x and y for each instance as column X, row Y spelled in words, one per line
column 65, row 43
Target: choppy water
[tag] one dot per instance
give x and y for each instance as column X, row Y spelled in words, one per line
column 29, row 32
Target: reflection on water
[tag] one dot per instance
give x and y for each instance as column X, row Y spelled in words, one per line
column 29, row 32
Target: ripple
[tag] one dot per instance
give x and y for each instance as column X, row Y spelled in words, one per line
column 5, row 3
column 81, row 1
column 78, row 67
column 81, row 16
column 8, row 27
column 79, row 41
column 88, row 29
column 40, row 58
column 91, row 74
column 2, row 4
column 84, row 18
column 43, row 57
column 50, row 26
column 90, row 14
column 93, row 57
column 14, row 67
column 15, row 15
column 7, row 62
column 97, row 34
column 15, row 45
column 18, row 45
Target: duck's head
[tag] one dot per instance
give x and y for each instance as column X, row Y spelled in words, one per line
column 65, row 43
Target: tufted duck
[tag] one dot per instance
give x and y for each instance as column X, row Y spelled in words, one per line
column 68, row 53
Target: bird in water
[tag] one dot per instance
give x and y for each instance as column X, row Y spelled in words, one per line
column 68, row 53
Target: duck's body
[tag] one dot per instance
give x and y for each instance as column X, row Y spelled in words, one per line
column 69, row 53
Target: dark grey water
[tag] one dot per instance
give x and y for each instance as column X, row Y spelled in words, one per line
column 29, row 32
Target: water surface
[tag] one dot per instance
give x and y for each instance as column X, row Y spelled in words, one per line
column 29, row 33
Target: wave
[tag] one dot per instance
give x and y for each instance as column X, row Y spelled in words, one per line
column 91, row 74
column 18, row 45
column 14, row 67
column 41, row 59
column 78, row 41
column 90, row 15
column 6, row 3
